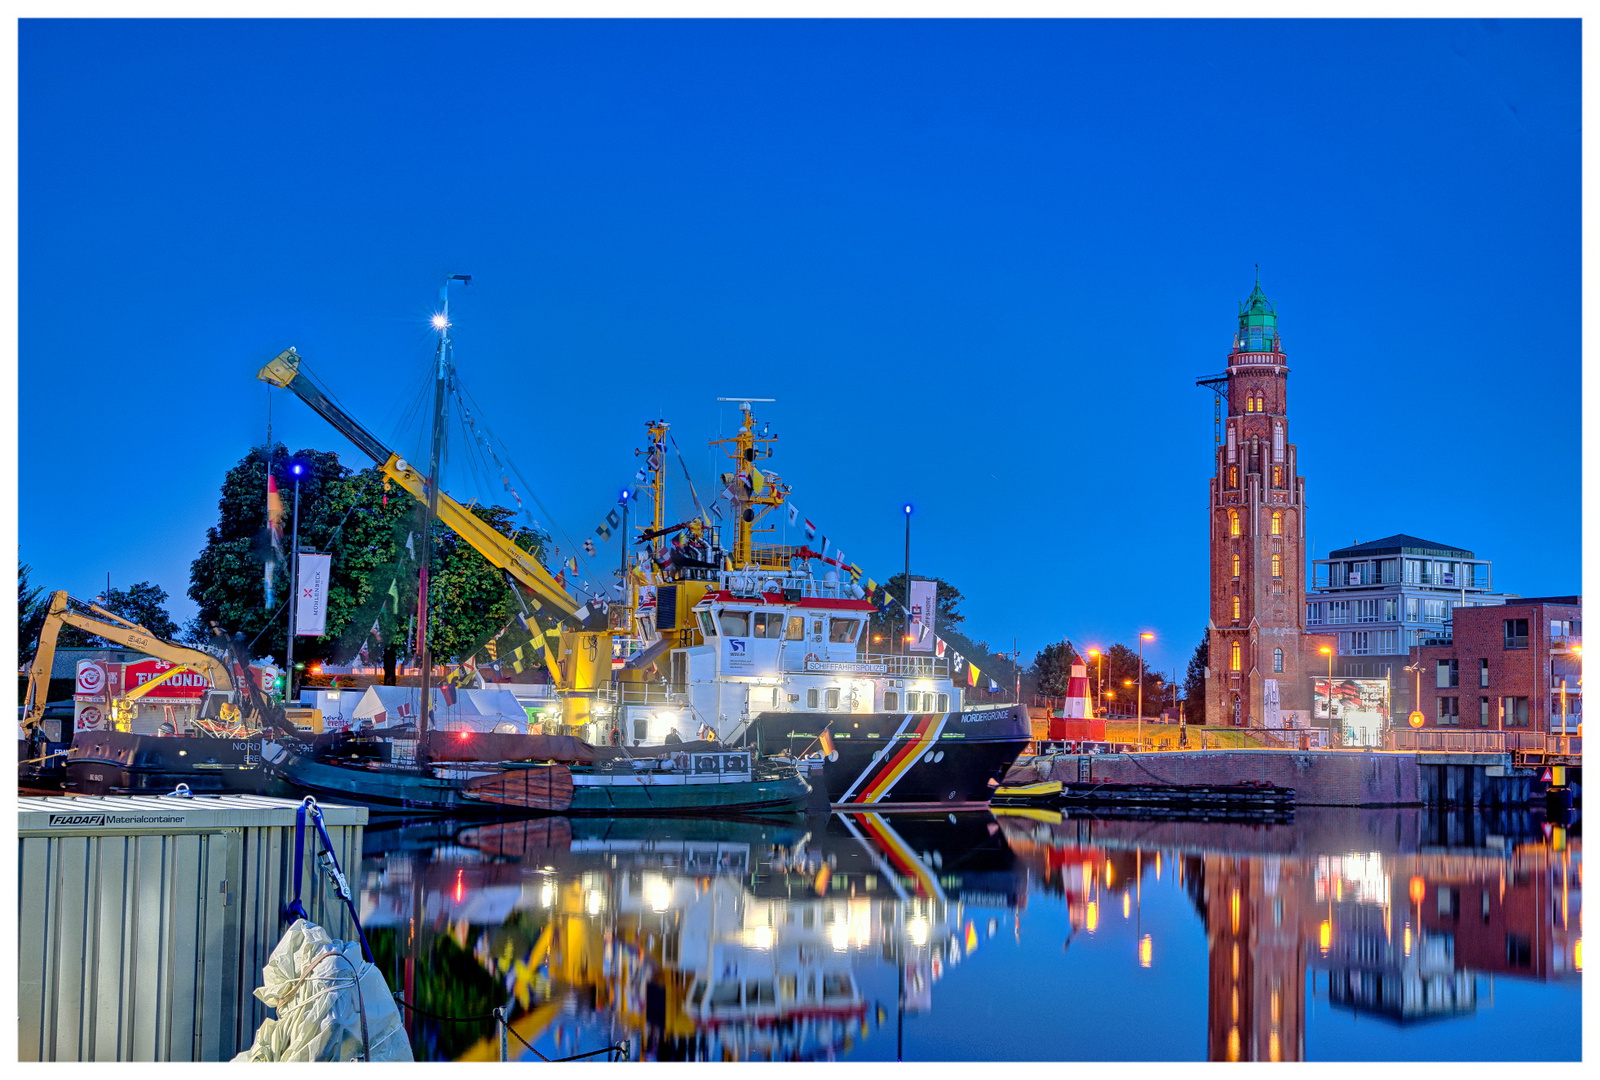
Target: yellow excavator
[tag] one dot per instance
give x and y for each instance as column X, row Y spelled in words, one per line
column 234, row 710
column 222, row 701
column 581, row 667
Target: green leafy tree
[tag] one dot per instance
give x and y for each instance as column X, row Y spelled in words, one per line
column 374, row 534
column 144, row 603
column 1051, row 669
column 1194, row 682
column 31, row 604
column 227, row 579
column 1121, row 682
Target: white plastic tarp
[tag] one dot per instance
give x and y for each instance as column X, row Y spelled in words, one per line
column 473, row 710
column 332, row 1005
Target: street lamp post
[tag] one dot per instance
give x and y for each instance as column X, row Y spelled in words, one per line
column 1333, row 737
column 905, row 638
column 294, row 583
column 1142, row 639
column 1095, row 656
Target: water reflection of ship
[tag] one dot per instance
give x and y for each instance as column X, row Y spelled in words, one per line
column 1401, row 935
column 704, row 939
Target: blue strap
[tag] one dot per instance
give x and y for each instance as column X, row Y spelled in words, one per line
column 341, row 885
column 294, row 909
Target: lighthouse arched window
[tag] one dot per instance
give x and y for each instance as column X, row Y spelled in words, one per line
column 1277, row 523
column 1233, row 523
column 1235, row 657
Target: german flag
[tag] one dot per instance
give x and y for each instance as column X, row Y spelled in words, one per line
column 827, row 741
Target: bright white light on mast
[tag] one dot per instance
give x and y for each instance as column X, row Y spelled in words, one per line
column 440, row 322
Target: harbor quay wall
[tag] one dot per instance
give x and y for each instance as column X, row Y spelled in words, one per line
column 1315, row 830
column 1318, row 777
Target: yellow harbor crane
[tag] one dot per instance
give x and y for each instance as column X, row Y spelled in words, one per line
column 581, row 668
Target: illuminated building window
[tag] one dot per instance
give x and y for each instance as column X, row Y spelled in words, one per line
column 1233, row 523
column 1277, row 565
column 1277, row 476
column 1277, row 523
column 1235, row 657
column 1236, row 566
column 1235, row 607
column 1233, row 476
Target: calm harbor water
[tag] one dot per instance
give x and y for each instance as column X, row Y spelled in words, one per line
column 1345, row 935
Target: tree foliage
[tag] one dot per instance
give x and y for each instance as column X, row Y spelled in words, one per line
column 1051, row 669
column 144, row 603
column 1194, row 681
column 31, row 604
column 1120, row 694
column 375, row 538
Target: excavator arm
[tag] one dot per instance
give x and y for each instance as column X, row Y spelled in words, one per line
column 64, row 611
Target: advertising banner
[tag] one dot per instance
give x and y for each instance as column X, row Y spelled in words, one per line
column 91, row 680
column 1360, row 707
column 87, row 716
column 189, row 685
column 923, row 597
column 311, row 599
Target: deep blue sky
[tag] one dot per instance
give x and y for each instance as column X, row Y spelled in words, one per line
column 979, row 264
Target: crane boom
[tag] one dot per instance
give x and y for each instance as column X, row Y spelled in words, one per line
column 580, row 665
column 283, row 371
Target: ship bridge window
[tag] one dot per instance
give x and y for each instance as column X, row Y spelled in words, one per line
column 767, row 624
column 735, row 623
column 811, row 698
column 943, row 704
column 708, row 625
column 891, row 701
column 844, row 631
column 832, row 697
column 913, row 701
column 797, row 628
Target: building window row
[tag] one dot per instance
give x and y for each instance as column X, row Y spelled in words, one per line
column 1368, row 643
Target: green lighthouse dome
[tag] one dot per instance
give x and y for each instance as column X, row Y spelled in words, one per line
column 1258, row 324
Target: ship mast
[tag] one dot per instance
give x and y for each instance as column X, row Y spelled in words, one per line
column 750, row 493
column 441, row 386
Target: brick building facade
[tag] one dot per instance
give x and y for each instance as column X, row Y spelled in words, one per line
column 1504, row 668
column 1260, row 662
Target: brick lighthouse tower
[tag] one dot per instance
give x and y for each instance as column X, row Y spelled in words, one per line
column 1256, row 670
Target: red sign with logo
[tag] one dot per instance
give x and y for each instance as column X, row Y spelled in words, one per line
column 185, row 684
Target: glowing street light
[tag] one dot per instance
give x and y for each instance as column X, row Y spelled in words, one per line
column 1332, row 731
column 1144, row 637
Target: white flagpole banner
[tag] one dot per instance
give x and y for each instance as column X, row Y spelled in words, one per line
column 311, row 605
column 923, row 595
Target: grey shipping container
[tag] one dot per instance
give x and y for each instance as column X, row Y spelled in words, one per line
column 144, row 921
